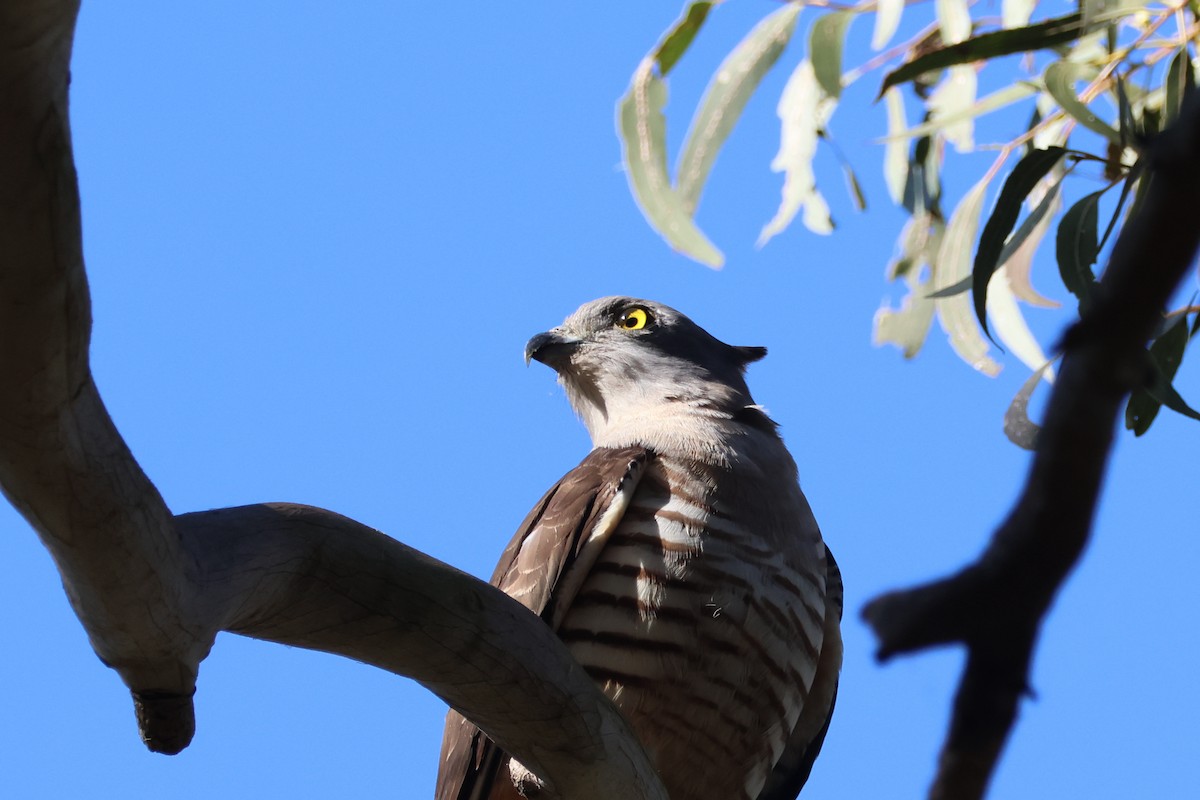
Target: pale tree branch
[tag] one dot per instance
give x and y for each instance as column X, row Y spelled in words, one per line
column 996, row 605
column 151, row 589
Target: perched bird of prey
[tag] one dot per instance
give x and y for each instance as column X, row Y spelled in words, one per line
column 679, row 562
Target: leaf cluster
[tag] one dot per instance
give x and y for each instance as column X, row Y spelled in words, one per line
column 1136, row 54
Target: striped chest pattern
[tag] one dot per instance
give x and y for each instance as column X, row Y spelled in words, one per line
column 704, row 631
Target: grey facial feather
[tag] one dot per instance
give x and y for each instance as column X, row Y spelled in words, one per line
column 665, row 385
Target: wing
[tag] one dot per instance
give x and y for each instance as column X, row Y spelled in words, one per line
column 795, row 764
column 543, row 568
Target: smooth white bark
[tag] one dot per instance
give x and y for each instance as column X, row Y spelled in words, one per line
column 152, row 589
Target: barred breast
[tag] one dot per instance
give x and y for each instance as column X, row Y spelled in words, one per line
column 705, row 625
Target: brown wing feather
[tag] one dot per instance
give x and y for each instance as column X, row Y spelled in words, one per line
column 543, row 563
column 794, row 765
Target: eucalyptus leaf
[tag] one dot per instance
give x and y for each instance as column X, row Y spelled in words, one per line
column 1009, row 323
column 954, row 20
column 1099, row 10
column 725, row 98
column 1053, row 127
column 1033, row 220
column 887, row 20
column 1166, row 355
column 1044, row 35
column 1168, row 348
column 907, row 327
column 895, row 152
column 825, row 44
column 923, row 187
column 855, row 188
column 955, row 97
column 1024, row 177
column 1167, row 352
column 1076, row 245
column 1140, row 187
column 1017, row 255
column 1140, row 411
column 1176, row 83
column 1131, row 179
column 1016, row 13
column 680, row 36
column 955, row 288
column 931, row 162
column 642, row 130
column 1020, row 430
column 1170, row 398
column 951, row 266
column 1060, row 78
column 803, row 110
column 918, row 245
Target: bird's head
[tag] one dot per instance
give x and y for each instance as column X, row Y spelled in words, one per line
column 629, row 364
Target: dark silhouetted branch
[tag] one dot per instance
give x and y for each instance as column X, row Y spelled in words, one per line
column 995, row 606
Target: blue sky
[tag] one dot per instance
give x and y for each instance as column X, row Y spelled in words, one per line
column 318, row 238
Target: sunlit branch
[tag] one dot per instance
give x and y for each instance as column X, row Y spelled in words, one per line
column 153, row 589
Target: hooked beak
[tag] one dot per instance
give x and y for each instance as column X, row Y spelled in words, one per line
column 552, row 348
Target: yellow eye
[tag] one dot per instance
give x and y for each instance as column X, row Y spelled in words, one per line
column 634, row 319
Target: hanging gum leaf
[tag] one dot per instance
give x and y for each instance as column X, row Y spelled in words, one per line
column 1180, row 78
column 955, row 97
column 1166, row 354
column 642, row 130
column 887, row 20
column 958, row 287
column 726, row 97
column 1089, row 9
column 1060, row 78
column 1009, row 323
column 907, row 327
column 825, row 50
column 950, row 267
column 803, row 110
column 1041, row 36
column 1140, row 187
column 1132, row 178
column 1015, row 13
column 1019, row 250
column 1018, row 427
column 1169, row 397
column 895, row 152
column 923, row 184
column 1049, row 130
column 856, row 191
column 1024, row 177
column 1076, row 245
column 954, row 20
column 680, row 37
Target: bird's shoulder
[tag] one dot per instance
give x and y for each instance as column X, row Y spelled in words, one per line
column 578, row 509
column 541, row 568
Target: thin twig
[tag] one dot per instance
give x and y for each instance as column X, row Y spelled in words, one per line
column 878, row 61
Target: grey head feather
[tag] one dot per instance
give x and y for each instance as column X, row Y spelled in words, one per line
column 640, row 372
